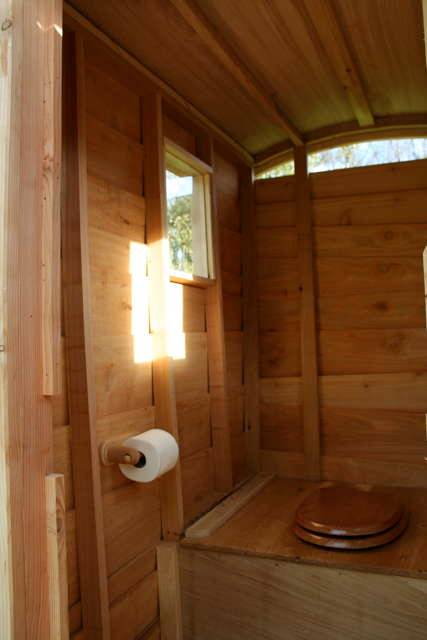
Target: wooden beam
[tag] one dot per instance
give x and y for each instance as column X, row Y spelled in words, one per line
column 51, row 25
column 218, row 386
column 322, row 18
column 26, row 416
column 250, row 318
column 76, row 20
column 57, row 557
column 158, row 273
column 169, row 591
column 226, row 55
column 7, row 54
column 309, row 371
column 81, row 392
column 401, row 126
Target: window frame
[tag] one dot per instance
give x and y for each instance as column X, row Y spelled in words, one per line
column 180, row 160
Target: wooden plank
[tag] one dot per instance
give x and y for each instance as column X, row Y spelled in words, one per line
column 123, row 580
column 276, row 242
column 158, row 272
column 86, row 475
column 276, row 214
column 275, row 190
column 78, row 20
column 263, row 528
column 250, row 320
column 217, row 363
column 393, row 207
column 136, row 611
column 359, row 351
column 51, row 265
column 369, row 276
column 224, row 511
column 213, row 39
column 26, row 437
column 366, row 180
column 425, row 25
column 7, row 53
column 272, row 596
column 280, row 353
column 369, row 241
column 309, row 367
column 322, row 22
column 57, row 557
column 198, row 483
column 169, row 591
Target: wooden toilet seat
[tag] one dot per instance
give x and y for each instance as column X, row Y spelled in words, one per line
column 343, row 517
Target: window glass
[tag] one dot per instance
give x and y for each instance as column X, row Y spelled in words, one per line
column 188, row 212
column 282, row 169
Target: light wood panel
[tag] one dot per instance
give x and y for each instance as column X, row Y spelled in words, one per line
column 273, row 599
column 91, row 549
column 169, row 591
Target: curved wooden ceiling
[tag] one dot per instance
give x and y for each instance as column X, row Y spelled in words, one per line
column 272, row 73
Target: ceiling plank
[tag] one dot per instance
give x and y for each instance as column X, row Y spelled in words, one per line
column 228, row 58
column 322, row 12
column 77, row 21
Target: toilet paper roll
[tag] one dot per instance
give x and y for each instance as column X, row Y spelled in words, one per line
column 159, row 451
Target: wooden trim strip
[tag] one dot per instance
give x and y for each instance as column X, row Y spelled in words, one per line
column 250, row 318
column 51, row 242
column 169, row 591
column 309, row 369
column 224, row 511
column 189, row 158
column 57, row 557
column 73, row 16
column 158, row 274
column 227, row 57
column 81, row 393
column 217, row 364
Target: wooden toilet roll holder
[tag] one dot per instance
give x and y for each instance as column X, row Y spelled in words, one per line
column 113, row 453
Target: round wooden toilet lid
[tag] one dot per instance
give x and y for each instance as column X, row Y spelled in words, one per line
column 353, row 543
column 348, row 511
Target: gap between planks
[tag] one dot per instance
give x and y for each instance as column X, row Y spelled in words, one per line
column 224, row 511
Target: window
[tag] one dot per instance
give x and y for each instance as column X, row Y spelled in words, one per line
column 188, row 212
column 362, row 154
column 282, row 169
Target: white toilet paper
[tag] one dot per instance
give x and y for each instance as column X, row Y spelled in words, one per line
column 159, row 451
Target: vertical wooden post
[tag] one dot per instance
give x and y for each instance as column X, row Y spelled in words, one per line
column 250, row 318
column 218, row 388
column 310, row 386
column 51, row 25
column 26, row 416
column 169, row 591
column 57, row 557
column 86, row 473
column 158, row 273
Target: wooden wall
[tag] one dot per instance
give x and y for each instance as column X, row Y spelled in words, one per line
column 370, row 229
column 120, row 381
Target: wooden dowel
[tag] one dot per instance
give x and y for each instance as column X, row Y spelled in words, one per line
column 111, row 453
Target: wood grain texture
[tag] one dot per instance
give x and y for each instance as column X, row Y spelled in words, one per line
column 164, row 391
column 263, row 528
column 76, row 281
column 169, row 591
column 275, row 598
column 308, row 336
column 57, row 557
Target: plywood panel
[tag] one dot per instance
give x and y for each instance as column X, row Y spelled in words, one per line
column 273, row 599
